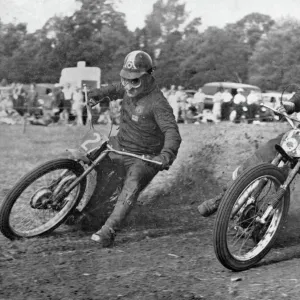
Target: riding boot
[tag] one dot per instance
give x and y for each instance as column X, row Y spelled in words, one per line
column 210, row 206
column 106, row 235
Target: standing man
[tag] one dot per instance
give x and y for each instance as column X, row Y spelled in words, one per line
column 181, row 98
column 198, row 101
column 68, row 100
column 78, row 104
column 32, row 99
column 252, row 101
column 172, row 99
column 217, row 102
column 226, row 105
column 147, row 127
column 238, row 101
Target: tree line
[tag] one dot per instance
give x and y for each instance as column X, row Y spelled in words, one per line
column 256, row 50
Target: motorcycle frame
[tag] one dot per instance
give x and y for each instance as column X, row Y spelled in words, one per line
column 102, row 155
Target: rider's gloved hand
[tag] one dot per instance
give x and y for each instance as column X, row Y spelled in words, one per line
column 164, row 163
column 92, row 102
column 287, row 107
column 94, row 97
column 281, row 109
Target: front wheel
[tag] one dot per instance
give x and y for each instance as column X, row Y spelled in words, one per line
column 35, row 206
column 240, row 240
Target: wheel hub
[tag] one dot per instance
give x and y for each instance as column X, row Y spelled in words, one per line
column 41, row 198
column 247, row 217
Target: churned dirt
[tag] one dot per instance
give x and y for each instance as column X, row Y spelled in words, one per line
column 165, row 249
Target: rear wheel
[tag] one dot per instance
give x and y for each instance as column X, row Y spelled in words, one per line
column 37, row 204
column 240, row 240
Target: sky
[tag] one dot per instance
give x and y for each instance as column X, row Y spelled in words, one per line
column 213, row 12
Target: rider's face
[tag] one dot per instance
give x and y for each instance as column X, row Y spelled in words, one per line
column 133, row 87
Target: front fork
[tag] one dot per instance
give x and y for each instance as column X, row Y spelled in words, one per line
column 281, row 191
column 258, row 187
column 67, row 190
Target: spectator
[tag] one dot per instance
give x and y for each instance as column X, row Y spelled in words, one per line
column 239, row 101
column 198, row 101
column 78, row 104
column 191, row 115
column 226, row 105
column 19, row 96
column 252, row 101
column 68, row 100
column 181, row 98
column 217, row 102
column 32, row 99
column 172, row 99
column 58, row 103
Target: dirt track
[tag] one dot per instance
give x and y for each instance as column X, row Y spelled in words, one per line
column 165, row 251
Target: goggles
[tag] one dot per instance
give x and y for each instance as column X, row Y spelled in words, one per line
column 131, row 83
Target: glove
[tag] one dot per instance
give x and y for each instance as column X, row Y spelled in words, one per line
column 164, row 163
column 281, row 109
column 94, row 97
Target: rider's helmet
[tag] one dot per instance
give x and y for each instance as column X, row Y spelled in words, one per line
column 136, row 64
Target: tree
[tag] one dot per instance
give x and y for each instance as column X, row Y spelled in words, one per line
column 165, row 18
column 275, row 62
column 251, row 28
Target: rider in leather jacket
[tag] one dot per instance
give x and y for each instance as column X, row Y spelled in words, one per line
column 147, row 127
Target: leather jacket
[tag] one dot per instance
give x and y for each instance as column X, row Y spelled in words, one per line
column 147, row 124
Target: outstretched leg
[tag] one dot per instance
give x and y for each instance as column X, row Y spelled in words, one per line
column 138, row 175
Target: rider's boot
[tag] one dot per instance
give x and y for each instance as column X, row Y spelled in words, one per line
column 106, row 235
column 210, row 206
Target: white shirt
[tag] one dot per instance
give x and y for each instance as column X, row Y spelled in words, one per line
column 218, row 97
column 68, row 93
column 239, row 98
column 180, row 96
column 199, row 97
column 227, row 97
column 252, row 98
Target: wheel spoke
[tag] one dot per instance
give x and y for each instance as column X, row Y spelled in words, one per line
column 244, row 241
column 32, row 213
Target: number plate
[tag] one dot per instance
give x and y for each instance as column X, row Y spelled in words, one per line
column 92, row 140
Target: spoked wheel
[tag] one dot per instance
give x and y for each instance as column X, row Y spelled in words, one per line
column 240, row 239
column 37, row 204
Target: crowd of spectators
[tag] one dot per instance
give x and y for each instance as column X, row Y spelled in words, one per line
column 65, row 105
column 224, row 105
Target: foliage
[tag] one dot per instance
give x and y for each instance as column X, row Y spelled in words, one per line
column 256, row 49
column 275, row 63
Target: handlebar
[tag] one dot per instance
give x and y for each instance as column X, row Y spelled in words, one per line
column 288, row 118
column 142, row 157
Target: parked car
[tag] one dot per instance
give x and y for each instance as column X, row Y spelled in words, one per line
column 209, row 89
column 273, row 98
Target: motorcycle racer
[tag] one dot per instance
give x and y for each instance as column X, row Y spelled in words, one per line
column 147, row 127
column 264, row 153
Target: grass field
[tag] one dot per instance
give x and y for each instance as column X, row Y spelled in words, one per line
column 165, row 250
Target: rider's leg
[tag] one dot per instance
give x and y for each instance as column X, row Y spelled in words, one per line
column 138, row 175
column 265, row 153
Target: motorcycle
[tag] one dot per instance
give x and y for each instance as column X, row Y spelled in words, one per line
column 44, row 198
column 255, row 206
